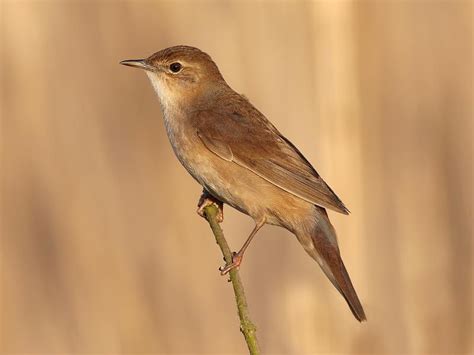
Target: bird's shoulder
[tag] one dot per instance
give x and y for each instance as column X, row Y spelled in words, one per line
column 230, row 110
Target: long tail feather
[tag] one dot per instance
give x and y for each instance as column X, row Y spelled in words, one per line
column 323, row 248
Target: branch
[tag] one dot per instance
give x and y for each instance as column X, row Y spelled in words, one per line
column 247, row 328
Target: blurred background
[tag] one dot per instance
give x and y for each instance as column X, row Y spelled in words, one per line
column 101, row 249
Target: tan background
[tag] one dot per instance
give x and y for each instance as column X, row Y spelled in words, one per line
column 102, row 251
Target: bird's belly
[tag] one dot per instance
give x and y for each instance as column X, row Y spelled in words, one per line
column 238, row 186
column 227, row 181
column 222, row 179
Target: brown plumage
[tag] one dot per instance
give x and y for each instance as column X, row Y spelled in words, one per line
column 241, row 159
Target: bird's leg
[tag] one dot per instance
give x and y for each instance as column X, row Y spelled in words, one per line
column 237, row 257
column 207, row 199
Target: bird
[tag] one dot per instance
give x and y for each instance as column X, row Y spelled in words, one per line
column 241, row 159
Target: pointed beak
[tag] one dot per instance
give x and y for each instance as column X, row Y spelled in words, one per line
column 137, row 63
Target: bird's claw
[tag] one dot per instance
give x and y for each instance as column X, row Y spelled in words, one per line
column 207, row 200
column 236, row 260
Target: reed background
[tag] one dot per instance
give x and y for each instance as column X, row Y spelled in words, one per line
column 101, row 249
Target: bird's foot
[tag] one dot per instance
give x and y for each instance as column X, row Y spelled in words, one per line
column 208, row 200
column 236, row 260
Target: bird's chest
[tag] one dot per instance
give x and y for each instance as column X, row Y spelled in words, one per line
column 188, row 148
column 212, row 172
column 181, row 137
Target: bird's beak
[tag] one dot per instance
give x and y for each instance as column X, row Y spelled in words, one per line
column 137, row 63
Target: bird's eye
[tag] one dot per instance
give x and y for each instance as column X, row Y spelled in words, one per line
column 175, row 67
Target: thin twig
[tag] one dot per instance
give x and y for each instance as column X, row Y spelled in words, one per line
column 247, row 328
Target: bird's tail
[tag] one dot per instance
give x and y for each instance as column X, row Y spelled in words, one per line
column 322, row 246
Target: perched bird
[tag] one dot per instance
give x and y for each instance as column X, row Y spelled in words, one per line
column 242, row 160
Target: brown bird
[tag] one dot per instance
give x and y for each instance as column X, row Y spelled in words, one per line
column 242, row 160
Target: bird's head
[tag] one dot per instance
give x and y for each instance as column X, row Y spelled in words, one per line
column 179, row 74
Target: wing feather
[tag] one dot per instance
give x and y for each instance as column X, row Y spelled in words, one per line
column 241, row 134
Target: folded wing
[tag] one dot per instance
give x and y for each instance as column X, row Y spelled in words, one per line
column 241, row 134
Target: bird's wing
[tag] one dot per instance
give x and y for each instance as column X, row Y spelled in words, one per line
column 241, row 134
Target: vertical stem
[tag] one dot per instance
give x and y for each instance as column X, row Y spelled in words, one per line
column 247, row 328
